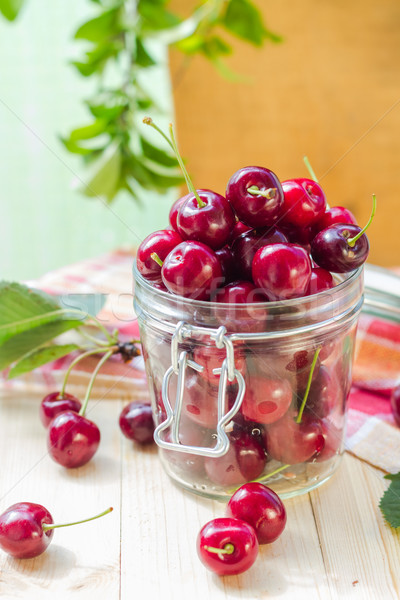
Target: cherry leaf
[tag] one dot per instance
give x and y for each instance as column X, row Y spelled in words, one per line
column 390, row 501
column 40, row 357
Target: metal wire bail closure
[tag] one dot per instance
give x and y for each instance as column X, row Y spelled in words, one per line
column 179, row 364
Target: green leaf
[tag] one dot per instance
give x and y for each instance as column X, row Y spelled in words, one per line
column 157, row 155
column 156, row 18
column 143, row 58
column 393, row 477
column 108, row 107
column 100, row 27
column 22, row 308
column 390, row 501
column 10, row 8
column 88, row 131
column 214, row 46
column 97, row 58
column 19, row 345
column 40, row 357
column 244, row 20
column 106, row 173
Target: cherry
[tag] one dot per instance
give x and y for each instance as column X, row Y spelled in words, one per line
column 211, row 357
column 334, row 248
column 260, row 507
column 333, row 437
column 256, row 195
column 161, row 243
column 320, row 280
column 227, row 546
column 395, row 404
column 341, row 248
column 290, row 442
column 192, row 270
column 244, row 461
column 26, row 529
column 136, row 422
column 227, row 262
column 173, row 213
column 249, row 318
column 209, row 220
column 55, row 403
column 323, row 394
column 282, row 271
column 304, row 202
column 246, row 245
column 266, row 400
column 189, row 435
column 238, row 230
column 336, row 214
column 72, row 439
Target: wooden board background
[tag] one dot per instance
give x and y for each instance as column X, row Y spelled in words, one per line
column 331, row 90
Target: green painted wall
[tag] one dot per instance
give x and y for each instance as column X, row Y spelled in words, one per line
column 44, row 222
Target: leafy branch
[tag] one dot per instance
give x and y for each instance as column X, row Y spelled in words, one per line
column 122, row 43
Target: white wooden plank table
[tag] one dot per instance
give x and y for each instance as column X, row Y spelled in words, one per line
column 335, row 545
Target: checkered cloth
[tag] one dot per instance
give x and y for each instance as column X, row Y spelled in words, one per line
column 371, row 435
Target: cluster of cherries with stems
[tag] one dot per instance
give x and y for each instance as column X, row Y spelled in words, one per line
column 265, row 240
column 254, row 515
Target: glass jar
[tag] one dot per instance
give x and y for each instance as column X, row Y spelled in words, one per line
column 244, row 392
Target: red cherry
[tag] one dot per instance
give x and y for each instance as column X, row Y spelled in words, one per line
column 331, row 250
column 282, row 271
column 54, row 403
column 192, row 270
column 211, row 357
column 161, row 243
column 333, row 438
column 173, row 213
column 238, row 230
column 249, row 318
column 227, row 262
column 260, row 507
column 136, row 422
column 21, row 530
column 72, row 440
column 395, row 404
column 189, row 435
column 256, row 195
column 336, row 214
column 246, row 245
column 26, row 529
column 320, row 280
column 266, row 400
column 244, row 461
column 304, row 202
column 210, row 223
column 324, row 393
column 227, row 546
column 290, row 442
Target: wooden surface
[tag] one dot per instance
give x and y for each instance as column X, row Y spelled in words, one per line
column 329, row 90
column 335, row 545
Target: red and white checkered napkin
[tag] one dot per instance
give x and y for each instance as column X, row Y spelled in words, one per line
column 372, row 433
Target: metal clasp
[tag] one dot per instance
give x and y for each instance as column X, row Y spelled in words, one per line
column 179, row 364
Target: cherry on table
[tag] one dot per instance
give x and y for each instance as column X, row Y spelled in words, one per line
column 72, row 440
column 246, row 245
column 26, row 529
column 55, row 403
column 256, row 196
column 227, row 546
column 136, row 422
column 160, row 243
column 260, row 507
column 282, row 271
column 304, row 202
column 206, row 217
column 193, row 270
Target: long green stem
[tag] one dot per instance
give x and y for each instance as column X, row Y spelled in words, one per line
column 102, row 328
column 264, row 478
column 48, row 526
column 310, row 169
column 92, row 379
column 310, row 376
column 93, row 339
column 351, row 242
column 76, row 361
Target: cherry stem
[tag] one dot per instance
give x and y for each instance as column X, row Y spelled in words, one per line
column 98, row 324
column 48, row 526
column 93, row 339
column 310, row 169
column 264, row 477
column 227, row 549
column 77, row 360
column 156, row 258
column 310, row 376
column 255, row 191
column 172, row 142
column 101, row 362
column 351, row 242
